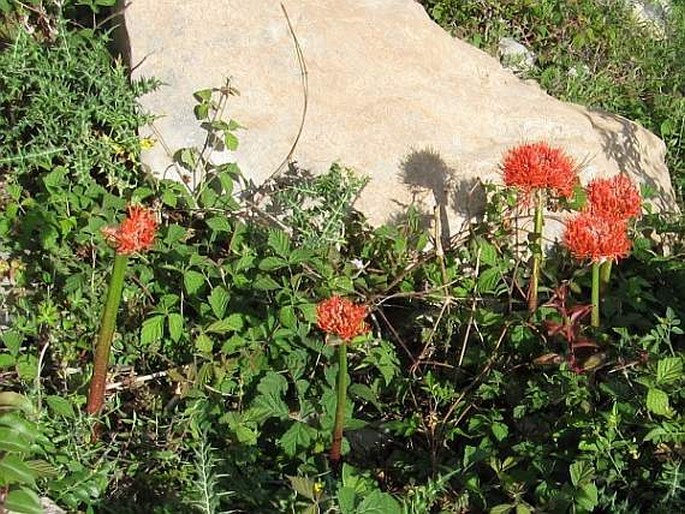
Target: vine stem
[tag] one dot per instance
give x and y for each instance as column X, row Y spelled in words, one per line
column 339, row 424
column 537, row 254
column 96, row 395
column 594, row 320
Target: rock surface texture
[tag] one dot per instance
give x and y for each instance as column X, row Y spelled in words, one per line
column 390, row 94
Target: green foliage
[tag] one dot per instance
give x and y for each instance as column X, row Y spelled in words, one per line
column 222, row 392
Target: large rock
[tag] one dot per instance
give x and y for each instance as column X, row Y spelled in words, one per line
column 389, row 93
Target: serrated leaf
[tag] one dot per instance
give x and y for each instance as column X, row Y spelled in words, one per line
column 502, row 508
column 60, row 406
column 23, row 501
column 581, row 472
column 272, row 263
column 488, row 253
column 265, row 283
column 152, row 330
column 175, row 322
column 377, row 502
column 14, row 470
column 303, row 486
column 657, row 402
column 279, row 241
column 232, row 323
column 218, row 300
column 204, row 343
column 193, row 281
column 299, row 435
column 488, row 279
column 9, row 400
column 219, row 224
column 13, row 441
column 346, row 499
column 287, row 316
column 586, row 498
column 669, row 370
column 364, row 392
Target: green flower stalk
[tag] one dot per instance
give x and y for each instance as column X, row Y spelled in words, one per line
column 536, row 169
column 343, row 320
column 594, row 318
column 135, row 234
column 537, row 253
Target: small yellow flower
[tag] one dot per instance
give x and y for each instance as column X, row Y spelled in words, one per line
column 318, row 487
column 146, row 143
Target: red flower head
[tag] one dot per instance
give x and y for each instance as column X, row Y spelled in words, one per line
column 616, row 198
column 593, row 237
column 136, row 233
column 342, row 317
column 538, row 165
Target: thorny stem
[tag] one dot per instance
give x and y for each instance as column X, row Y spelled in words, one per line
column 96, row 396
column 594, row 320
column 537, row 254
column 340, row 407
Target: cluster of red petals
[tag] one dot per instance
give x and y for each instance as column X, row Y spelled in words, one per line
column 342, row 317
column 539, row 166
column 136, row 233
column 596, row 238
column 616, row 198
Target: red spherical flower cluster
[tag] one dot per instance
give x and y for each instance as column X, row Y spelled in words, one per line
column 342, row 317
column 539, row 166
column 136, row 233
column 596, row 238
column 616, row 198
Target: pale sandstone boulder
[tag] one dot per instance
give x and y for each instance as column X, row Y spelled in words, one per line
column 391, row 94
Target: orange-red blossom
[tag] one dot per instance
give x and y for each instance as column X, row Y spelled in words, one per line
column 616, row 198
column 341, row 317
column 596, row 238
column 136, row 233
column 532, row 166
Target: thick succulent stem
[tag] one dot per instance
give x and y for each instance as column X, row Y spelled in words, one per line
column 96, row 396
column 537, row 254
column 594, row 320
column 336, row 446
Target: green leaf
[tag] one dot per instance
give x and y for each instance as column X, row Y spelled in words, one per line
column 488, row 279
column 299, row 435
column 231, row 324
column 279, row 241
column 364, row 392
column 488, row 253
column 272, row 263
column 581, row 472
column 193, row 281
column 6, row 361
column 669, row 370
column 14, row 470
column 231, row 141
column 13, row 441
column 502, row 508
column 175, row 322
column 303, row 486
column 204, row 343
column 61, row 406
column 346, row 500
column 23, row 501
column 377, row 502
column 586, row 498
column 499, row 430
column 219, row 224
column 10, row 400
column 287, row 316
column 152, row 330
column 265, row 283
column 218, row 300
column 657, row 402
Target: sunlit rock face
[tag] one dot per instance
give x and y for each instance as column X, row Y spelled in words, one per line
column 388, row 92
